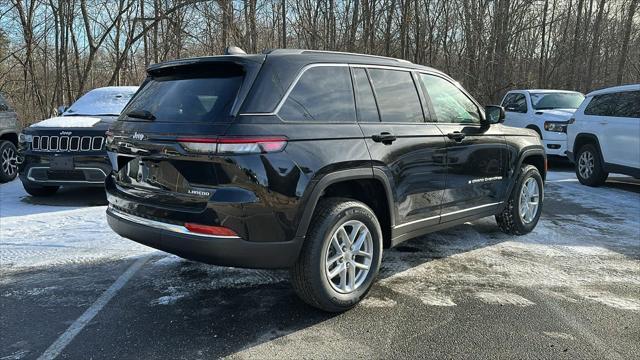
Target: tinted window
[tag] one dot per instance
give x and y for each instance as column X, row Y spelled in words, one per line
column 322, row 93
column 546, row 101
column 515, row 103
column 623, row 104
column 189, row 94
column 450, row 104
column 397, row 96
column 365, row 101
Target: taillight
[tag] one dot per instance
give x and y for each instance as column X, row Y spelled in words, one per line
column 210, row 230
column 234, row 145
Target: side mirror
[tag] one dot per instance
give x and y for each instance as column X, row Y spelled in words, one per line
column 493, row 114
column 61, row 109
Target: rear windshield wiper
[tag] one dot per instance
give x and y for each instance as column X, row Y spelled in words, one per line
column 141, row 114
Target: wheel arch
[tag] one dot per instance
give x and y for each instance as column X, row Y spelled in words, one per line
column 365, row 185
column 10, row 136
column 535, row 128
column 586, row 138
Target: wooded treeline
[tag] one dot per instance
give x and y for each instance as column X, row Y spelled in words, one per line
column 52, row 51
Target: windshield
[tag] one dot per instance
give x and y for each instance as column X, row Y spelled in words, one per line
column 102, row 101
column 187, row 94
column 546, row 101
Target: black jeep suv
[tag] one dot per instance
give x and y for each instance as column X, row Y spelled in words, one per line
column 313, row 161
column 68, row 150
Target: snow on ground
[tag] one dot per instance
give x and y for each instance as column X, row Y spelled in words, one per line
column 586, row 245
column 39, row 235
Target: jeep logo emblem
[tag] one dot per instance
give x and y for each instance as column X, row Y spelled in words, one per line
column 137, row 136
column 65, row 133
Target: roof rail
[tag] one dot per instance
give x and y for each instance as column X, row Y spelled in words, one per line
column 303, row 51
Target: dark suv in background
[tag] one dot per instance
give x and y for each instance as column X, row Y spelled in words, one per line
column 313, row 161
column 8, row 141
column 69, row 149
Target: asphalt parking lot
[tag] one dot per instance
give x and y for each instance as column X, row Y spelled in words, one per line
column 571, row 289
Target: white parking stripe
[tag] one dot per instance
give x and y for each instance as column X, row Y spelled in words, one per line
column 56, row 348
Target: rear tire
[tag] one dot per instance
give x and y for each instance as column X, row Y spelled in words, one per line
column 518, row 217
column 316, row 279
column 38, row 190
column 8, row 156
column 589, row 169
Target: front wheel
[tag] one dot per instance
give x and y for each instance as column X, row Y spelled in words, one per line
column 589, row 169
column 8, row 167
column 524, row 206
column 340, row 257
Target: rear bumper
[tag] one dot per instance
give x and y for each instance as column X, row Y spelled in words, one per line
column 226, row 251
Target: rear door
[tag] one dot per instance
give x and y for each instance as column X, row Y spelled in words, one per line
column 476, row 156
column 409, row 150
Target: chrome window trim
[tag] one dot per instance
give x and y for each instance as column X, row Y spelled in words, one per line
column 162, row 225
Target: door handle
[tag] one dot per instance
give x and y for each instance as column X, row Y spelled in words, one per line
column 456, row 135
column 384, row 137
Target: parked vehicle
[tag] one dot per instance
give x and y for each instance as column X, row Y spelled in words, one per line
column 604, row 135
column 69, row 149
column 8, row 141
column 313, row 161
column 544, row 111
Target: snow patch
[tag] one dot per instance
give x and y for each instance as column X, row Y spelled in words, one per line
column 435, row 299
column 68, row 122
column 374, row 302
column 609, row 299
column 559, row 335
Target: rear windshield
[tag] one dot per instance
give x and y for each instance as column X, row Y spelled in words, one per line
column 203, row 93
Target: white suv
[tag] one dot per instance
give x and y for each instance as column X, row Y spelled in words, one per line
column 604, row 135
column 544, row 111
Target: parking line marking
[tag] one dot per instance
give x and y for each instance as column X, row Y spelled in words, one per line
column 56, row 348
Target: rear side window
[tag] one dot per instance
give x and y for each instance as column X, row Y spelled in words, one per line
column 322, row 94
column 623, row 104
column 450, row 104
column 189, row 94
column 365, row 101
column 515, row 103
column 397, row 96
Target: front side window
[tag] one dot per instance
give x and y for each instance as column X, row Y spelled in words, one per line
column 548, row 101
column 623, row 104
column 323, row 94
column 450, row 104
column 397, row 96
column 516, row 103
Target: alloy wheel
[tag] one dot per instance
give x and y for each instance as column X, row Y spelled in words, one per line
column 349, row 256
column 586, row 164
column 9, row 161
column 529, row 200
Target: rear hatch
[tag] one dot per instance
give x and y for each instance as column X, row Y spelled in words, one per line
column 164, row 144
